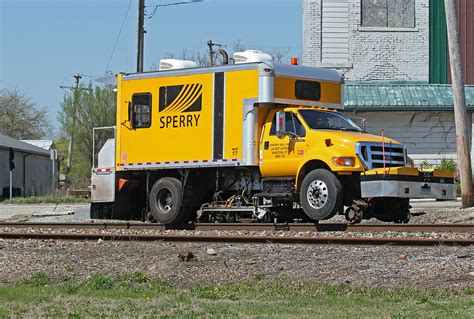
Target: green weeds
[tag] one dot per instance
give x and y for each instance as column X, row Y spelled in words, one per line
column 138, row 295
column 46, row 200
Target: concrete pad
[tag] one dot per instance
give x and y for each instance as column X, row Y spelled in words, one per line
column 25, row 212
column 51, row 214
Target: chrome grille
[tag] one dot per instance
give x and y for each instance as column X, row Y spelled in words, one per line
column 372, row 154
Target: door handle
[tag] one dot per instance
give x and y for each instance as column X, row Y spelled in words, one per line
column 266, row 145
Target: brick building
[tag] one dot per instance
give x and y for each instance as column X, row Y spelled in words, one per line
column 368, row 41
column 394, row 57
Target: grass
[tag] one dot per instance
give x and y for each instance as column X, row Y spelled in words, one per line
column 137, row 295
column 46, row 200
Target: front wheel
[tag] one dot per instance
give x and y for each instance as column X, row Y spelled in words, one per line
column 166, row 201
column 321, row 194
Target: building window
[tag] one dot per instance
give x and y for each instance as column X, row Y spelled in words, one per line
column 141, row 110
column 388, row 13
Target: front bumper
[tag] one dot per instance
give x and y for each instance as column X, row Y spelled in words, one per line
column 408, row 182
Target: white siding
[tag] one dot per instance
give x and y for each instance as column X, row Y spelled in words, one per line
column 335, row 31
column 428, row 136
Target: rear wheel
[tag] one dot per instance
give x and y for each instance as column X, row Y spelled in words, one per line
column 321, row 194
column 101, row 210
column 166, row 202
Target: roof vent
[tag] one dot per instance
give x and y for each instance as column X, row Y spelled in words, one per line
column 174, row 64
column 250, row 56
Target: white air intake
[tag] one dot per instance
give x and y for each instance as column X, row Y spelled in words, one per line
column 174, row 64
column 249, row 56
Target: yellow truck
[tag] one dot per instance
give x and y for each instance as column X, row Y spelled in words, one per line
column 251, row 140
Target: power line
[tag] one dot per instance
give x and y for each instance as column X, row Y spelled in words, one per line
column 118, row 36
column 151, row 15
column 141, row 26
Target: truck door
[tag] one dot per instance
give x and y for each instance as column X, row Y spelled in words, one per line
column 281, row 156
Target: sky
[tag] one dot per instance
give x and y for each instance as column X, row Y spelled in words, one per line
column 43, row 43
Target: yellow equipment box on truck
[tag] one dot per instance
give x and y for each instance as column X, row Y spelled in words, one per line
column 253, row 140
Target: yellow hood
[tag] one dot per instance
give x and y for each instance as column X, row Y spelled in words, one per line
column 347, row 137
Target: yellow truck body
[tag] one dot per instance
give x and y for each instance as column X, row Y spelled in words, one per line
column 196, row 122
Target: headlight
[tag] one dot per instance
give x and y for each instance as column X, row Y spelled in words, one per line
column 343, row 161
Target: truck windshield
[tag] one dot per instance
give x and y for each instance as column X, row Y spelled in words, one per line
column 329, row 121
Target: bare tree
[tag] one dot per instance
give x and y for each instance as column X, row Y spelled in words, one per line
column 20, row 118
column 95, row 107
column 185, row 54
column 201, row 58
column 239, row 46
column 279, row 55
column 169, row 55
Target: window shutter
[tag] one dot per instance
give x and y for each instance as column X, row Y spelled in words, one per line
column 335, row 31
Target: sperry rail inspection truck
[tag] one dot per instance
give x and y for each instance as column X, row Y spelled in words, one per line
column 253, row 140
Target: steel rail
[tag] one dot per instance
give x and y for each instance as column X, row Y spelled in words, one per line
column 297, row 227
column 405, row 241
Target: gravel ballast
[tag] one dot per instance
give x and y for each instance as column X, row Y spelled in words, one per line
column 375, row 266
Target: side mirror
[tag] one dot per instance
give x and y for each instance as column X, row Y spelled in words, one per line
column 280, row 124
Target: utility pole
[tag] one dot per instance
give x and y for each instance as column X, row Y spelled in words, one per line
column 140, row 35
column 77, row 77
column 75, row 98
column 211, row 46
column 141, row 26
column 460, row 112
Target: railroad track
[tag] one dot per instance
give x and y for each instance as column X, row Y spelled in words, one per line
column 294, row 227
column 405, row 241
column 287, row 238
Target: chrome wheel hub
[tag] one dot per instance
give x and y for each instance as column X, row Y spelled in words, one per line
column 317, row 194
column 165, row 200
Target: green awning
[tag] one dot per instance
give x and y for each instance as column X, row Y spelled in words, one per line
column 402, row 97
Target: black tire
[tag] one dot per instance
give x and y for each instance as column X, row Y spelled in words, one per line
column 321, row 194
column 95, row 213
column 101, row 210
column 166, row 202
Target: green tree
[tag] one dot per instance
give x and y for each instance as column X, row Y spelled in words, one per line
column 20, row 118
column 91, row 107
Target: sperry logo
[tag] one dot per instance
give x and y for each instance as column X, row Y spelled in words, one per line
column 176, row 101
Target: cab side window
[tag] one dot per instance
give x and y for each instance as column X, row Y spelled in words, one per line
column 141, row 110
column 292, row 124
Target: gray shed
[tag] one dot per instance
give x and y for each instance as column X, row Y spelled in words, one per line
column 33, row 174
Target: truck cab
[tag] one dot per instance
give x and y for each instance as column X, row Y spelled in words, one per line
column 297, row 140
